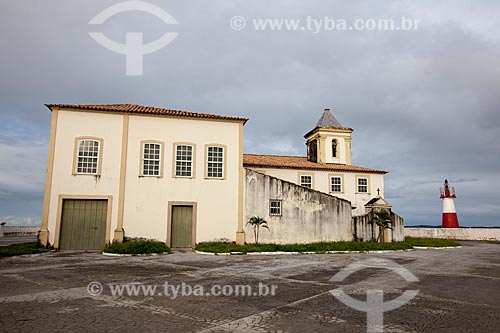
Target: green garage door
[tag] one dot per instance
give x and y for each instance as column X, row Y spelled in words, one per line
column 83, row 224
column 182, row 227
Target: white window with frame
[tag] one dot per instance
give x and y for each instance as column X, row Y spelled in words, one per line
column 151, row 159
column 362, row 185
column 275, row 207
column 306, row 180
column 215, row 162
column 335, row 184
column 183, row 161
column 88, row 156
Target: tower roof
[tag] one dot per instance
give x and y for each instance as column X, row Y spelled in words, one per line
column 328, row 120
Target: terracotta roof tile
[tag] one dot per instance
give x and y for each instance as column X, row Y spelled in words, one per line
column 300, row 163
column 294, row 184
column 139, row 109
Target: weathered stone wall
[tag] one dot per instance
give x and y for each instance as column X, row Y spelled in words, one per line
column 365, row 232
column 398, row 228
column 454, row 233
column 11, row 231
column 307, row 215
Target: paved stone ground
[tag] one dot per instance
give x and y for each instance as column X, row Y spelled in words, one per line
column 459, row 292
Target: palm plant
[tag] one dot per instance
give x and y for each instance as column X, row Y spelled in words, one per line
column 382, row 219
column 257, row 222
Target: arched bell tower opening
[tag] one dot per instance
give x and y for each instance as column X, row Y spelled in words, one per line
column 312, row 151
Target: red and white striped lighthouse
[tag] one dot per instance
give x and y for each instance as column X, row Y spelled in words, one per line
column 450, row 219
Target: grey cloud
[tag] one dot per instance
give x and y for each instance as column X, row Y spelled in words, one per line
column 423, row 104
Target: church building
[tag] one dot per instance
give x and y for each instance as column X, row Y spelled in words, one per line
column 327, row 167
column 118, row 171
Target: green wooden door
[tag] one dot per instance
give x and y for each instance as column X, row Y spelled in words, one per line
column 83, row 224
column 182, row 226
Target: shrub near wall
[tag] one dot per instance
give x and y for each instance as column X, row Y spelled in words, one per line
column 137, row 247
column 320, row 247
column 323, row 247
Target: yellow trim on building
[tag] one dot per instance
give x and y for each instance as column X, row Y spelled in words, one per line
column 342, row 184
column 119, row 233
column 348, row 155
column 306, row 173
column 171, row 204
column 224, row 160
column 357, row 176
column 141, row 158
column 99, row 158
column 240, row 233
column 193, row 162
column 43, row 236
column 61, row 197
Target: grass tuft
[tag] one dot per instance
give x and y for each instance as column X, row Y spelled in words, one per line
column 323, row 247
column 320, row 247
column 139, row 247
column 431, row 242
column 20, row 249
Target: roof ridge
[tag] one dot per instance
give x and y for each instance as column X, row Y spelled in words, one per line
column 142, row 109
column 300, row 163
column 275, row 155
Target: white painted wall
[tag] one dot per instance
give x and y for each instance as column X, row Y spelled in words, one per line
column 13, row 231
column 146, row 198
column 322, row 183
column 307, row 216
column 341, row 150
column 69, row 126
column 454, row 233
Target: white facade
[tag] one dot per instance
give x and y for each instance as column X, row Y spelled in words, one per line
column 321, row 182
column 139, row 204
column 146, row 198
column 305, row 216
column 64, row 184
column 328, row 156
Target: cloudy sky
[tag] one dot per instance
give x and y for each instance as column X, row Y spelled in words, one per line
column 424, row 104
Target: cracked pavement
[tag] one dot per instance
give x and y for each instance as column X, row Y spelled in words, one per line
column 458, row 292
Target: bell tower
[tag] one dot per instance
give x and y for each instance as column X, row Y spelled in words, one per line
column 329, row 141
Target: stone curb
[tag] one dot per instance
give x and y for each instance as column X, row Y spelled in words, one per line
column 290, row 253
column 436, row 247
column 133, row 255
